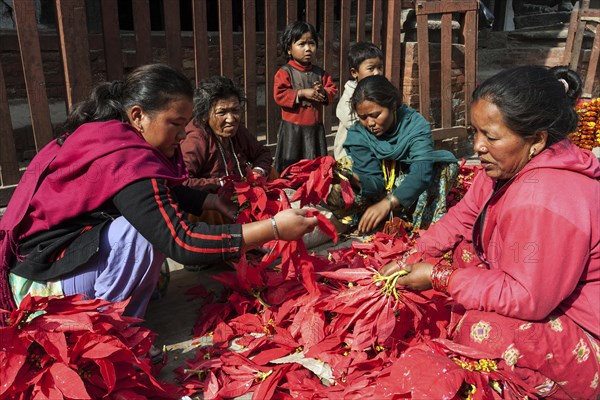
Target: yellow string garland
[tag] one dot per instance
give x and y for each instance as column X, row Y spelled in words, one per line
column 389, row 174
column 388, row 167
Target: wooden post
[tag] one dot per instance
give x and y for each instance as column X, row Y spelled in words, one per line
column 592, row 65
column 376, row 23
column 344, row 42
column 250, row 65
column 226, row 38
column 200, row 40
column 361, row 16
column 173, row 33
column 311, row 12
column 33, row 71
column 72, row 29
column 111, row 33
column 271, row 67
column 143, row 33
column 393, row 48
column 328, row 58
column 470, row 38
column 291, row 11
column 446, row 71
column 423, row 57
column 9, row 168
column 571, row 35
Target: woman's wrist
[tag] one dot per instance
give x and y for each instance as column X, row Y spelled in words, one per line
column 275, row 228
column 440, row 277
column 393, row 202
column 259, row 171
column 257, row 233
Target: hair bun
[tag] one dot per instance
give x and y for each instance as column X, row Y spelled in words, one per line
column 116, row 89
column 570, row 80
column 565, row 84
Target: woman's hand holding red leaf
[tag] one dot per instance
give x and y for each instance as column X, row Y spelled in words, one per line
column 418, row 277
column 391, row 268
column 292, row 223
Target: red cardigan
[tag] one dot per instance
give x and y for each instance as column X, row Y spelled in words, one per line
column 285, row 97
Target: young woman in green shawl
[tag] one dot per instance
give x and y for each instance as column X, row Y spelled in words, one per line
column 391, row 163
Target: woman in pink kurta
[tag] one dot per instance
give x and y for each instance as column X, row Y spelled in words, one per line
column 528, row 291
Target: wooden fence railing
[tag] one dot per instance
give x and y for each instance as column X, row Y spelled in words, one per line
column 583, row 19
column 377, row 20
column 466, row 12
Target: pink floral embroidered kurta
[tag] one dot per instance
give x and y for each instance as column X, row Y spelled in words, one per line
column 539, row 238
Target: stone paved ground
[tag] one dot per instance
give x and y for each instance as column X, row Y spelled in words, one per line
column 173, row 316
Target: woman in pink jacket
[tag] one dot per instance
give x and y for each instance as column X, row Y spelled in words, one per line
column 532, row 222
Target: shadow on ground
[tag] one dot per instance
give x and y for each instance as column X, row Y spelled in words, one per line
column 173, row 316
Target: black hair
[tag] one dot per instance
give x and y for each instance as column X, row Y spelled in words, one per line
column 150, row 86
column 534, row 98
column 362, row 51
column 378, row 89
column 293, row 32
column 211, row 90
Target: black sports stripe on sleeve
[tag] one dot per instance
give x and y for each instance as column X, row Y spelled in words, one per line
column 152, row 208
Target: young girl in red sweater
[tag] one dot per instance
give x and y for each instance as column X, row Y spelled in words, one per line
column 301, row 89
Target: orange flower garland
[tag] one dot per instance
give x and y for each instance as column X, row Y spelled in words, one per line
column 587, row 135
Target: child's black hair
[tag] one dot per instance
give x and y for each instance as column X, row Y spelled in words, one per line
column 293, row 32
column 362, row 51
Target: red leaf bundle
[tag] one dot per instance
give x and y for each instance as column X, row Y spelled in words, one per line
column 76, row 349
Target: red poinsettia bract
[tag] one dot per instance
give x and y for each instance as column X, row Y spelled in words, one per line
column 71, row 348
column 334, row 328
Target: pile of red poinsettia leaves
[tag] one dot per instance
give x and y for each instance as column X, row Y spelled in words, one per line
column 317, row 327
column 302, row 326
column 55, row 348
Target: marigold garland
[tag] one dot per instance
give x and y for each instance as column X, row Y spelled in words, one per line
column 587, row 135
